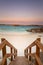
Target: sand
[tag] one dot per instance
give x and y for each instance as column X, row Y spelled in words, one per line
column 21, row 40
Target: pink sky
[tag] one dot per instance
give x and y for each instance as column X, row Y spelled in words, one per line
column 24, row 12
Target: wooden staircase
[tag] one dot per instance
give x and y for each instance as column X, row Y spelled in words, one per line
column 29, row 58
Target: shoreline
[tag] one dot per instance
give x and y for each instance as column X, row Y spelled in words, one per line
column 19, row 33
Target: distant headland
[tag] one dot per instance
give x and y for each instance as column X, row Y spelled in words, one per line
column 20, row 25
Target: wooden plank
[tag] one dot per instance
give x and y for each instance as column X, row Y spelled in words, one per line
column 30, row 53
column 8, row 44
column 34, row 43
column 38, row 60
column 11, row 55
column 3, row 60
column 14, row 52
column 4, row 51
column 26, row 53
column 5, row 42
column 20, row 61
column 40, row 46
column 2, row 44
column 37, row 53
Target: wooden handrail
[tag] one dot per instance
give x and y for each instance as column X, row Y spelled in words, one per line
column 3, row 45
column 39, row 46
column 34, row 43
column 10, row 45
column 5, row 42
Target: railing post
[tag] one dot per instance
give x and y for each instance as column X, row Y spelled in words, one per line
column 38, row 50
column 25, row 53
column 14, row 53
column 4, row 51
column 29, row 53
column 11, row 55
column 37, row 53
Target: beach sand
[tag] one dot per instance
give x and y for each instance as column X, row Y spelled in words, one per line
column 20, row 40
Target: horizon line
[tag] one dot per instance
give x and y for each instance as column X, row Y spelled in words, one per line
column 19, row 24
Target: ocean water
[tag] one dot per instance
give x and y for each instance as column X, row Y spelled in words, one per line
column 7, row 28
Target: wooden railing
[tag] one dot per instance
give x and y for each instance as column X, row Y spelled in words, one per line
column 13, row 52
column 29, row 54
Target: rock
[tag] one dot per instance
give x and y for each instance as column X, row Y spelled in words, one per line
column 36, row 30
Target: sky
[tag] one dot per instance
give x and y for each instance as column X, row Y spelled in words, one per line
column 21, row 12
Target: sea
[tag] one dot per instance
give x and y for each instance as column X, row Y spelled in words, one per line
column 9, row 28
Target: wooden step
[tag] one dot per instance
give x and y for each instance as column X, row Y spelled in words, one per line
column 0, row 63
column 20, row 61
